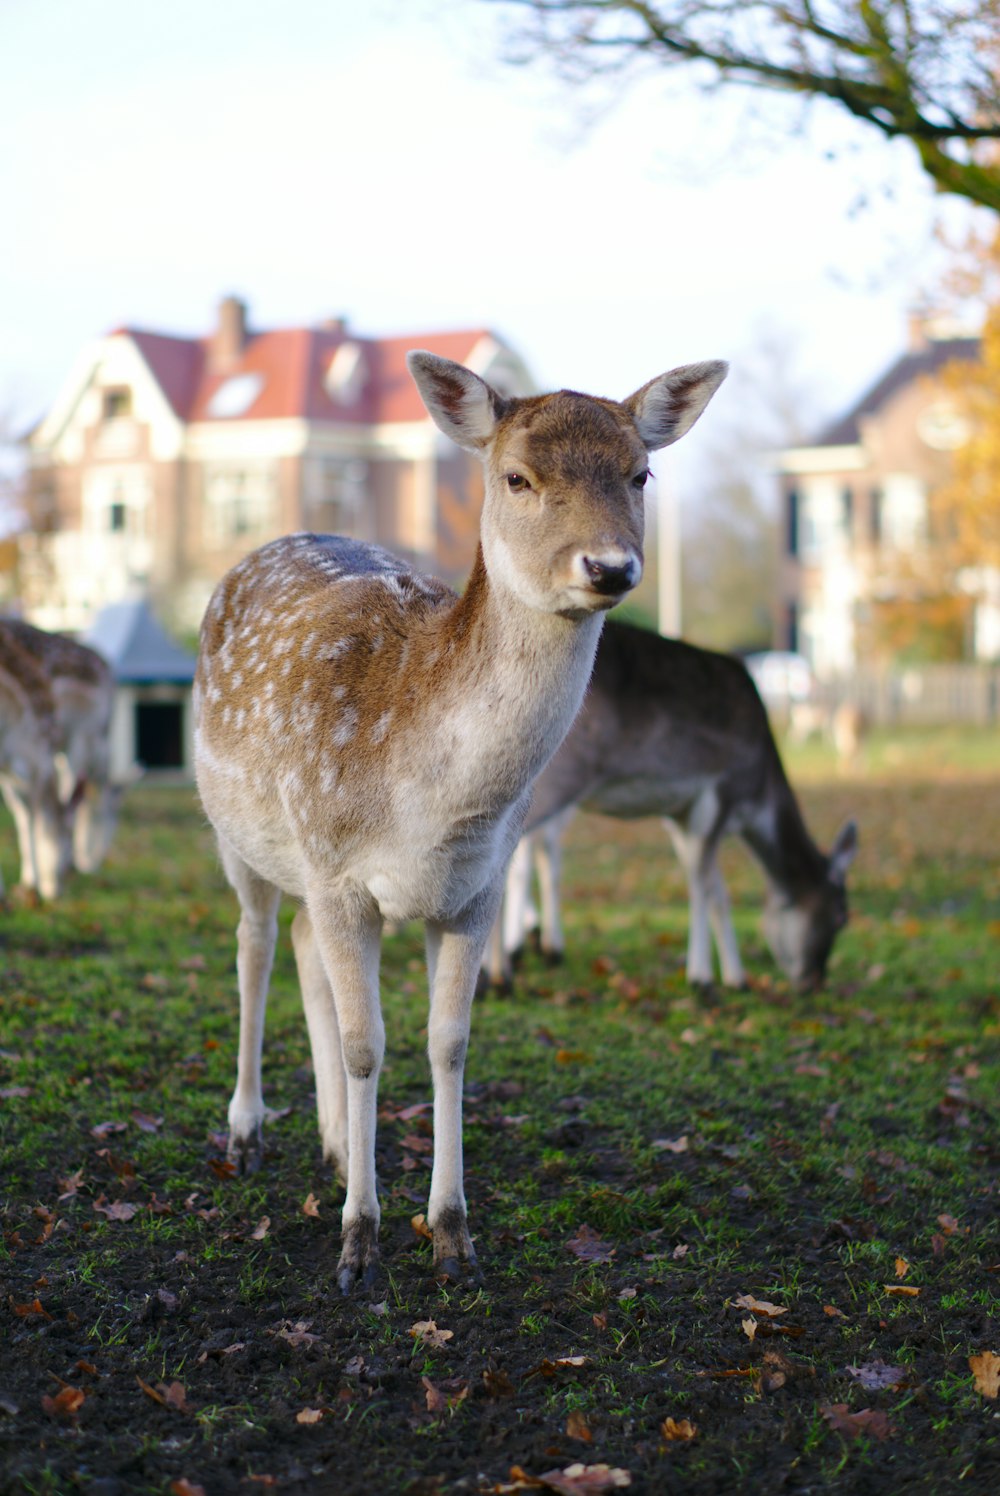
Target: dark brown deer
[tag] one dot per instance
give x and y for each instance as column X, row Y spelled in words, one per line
column 366, row 742
column 671, row 730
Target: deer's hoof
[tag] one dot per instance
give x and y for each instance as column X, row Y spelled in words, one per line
column 358, row 1265
column 246, row 1154
column 454, row 1254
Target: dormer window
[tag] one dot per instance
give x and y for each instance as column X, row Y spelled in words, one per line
column 116, row 403
column 235, row 396
column 346, row 374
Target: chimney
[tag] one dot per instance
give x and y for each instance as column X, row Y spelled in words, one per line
column 918, row 330
column 229, row 338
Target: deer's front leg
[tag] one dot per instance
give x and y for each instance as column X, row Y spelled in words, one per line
column 348, row 929
column 453, row 957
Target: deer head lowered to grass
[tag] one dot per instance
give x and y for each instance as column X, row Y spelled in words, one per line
column 366, row 742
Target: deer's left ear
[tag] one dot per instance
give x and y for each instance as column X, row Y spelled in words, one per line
column 669, row 405
column 844, row 851
column 464, row 406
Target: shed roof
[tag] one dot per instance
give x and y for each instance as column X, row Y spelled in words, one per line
column 136, row 647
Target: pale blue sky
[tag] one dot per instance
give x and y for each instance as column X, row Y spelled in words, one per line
column 379, row 162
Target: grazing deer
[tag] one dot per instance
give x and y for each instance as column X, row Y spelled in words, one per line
column 365, row 741
column 671, row 730
column 82, row 687
column 29, row 777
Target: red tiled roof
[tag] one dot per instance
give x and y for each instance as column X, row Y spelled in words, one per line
column 293, row 364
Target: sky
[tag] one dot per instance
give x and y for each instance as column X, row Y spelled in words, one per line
column 382, row 162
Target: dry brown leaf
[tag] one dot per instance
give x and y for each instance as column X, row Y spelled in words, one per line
column 70, row 1185
column 901, row 1291
column 902, row 1267
column 760, row 1307
column 577, row 1427
column 445, row 1395
column 309, row 1415
column 310, row 1206
column 672, row 1145
column 498, row 1384
column 25, row 1310
column 680, row 1430
column 182, row 1487
column 876, row 1374
column 948, row 1224
column 985, row 1369
column 426, row 1332
column 118, row 1210
column 833, row 1311
column 66, row 1403
column 261, row 1229
column 589, row 1247
column 420, row 1226
column 585, row 1480
column 749, row 1327
column 297, row 1334
column 549, row 1368
column 852, row 1425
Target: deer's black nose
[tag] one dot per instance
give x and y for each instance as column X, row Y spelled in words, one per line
column 609, row 579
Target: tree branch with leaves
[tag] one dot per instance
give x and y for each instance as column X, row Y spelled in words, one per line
column 927, row 71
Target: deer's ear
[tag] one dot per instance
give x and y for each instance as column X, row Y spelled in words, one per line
column 844, row 851
column 668, row 406
column 461, row 404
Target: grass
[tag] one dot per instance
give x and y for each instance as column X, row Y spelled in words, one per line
column 819, row 1152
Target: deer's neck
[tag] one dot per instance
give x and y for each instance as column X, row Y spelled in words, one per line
column 513, row 676
column 778, row 837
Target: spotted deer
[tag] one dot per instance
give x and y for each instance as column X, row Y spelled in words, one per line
column 671, row 730
column 82, row 687
column 365, row 742
column 29, row 774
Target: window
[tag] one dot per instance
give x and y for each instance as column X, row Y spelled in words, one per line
column 116, row 403
column 117, row 516
column 875, row 515
column 239, row 504
column 792, row 516
column 847, row 498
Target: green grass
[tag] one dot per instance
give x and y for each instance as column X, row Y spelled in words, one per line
column 828, row 1138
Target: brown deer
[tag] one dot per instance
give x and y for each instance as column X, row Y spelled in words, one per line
column 365, row 741
column 29, row 774
column 82, row 688
column 671, row 730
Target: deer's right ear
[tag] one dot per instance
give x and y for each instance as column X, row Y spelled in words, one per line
column 461, row 404
column 668, row 406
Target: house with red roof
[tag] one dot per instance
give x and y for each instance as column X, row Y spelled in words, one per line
column 856, row 505
column 164, row 459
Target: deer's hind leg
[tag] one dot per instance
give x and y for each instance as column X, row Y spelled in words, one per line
column 256, row 936
column 324, row 1041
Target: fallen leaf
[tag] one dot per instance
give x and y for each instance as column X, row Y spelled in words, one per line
column 118, row 1210
column 588, row 1246
column 552, row 1368
column 354, row 1367
column 498, row 1384
column 902, row 1267
column 948, row 1224
column 876, row 1374
column 105, row 1129
column 446, row 1395
column 298, row 1334
column 223, row 1168
column 577, row 1427
column 627, row 1293
column 174, row 1396
column 310, row 1206
column 600, row 1319
column 66, row 1404
column 146, row 1123
column 833, row 1311
column 759, row 1306
column 749, row 1327
column 586, row 1480
column 309, row 1415
column 426, row 1332
column 985, row 1369
column 572, row 1057
column 420, row 1226
column 182, row 1487
column 852, row 1425
column 14, row 1093
column 261, row 1229
column 678, row 1430
column 35, row 1307
column 900, row 1291
column 70, row 1185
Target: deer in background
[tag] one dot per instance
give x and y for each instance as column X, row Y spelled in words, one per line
column 671, row 730
column 29, row 775
column 82, row 687
column 366, row 741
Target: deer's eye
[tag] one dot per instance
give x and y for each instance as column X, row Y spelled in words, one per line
column 639, row 481
column 517, row 483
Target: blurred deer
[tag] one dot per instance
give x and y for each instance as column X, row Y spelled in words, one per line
column 29, row 774
column 671, row 730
